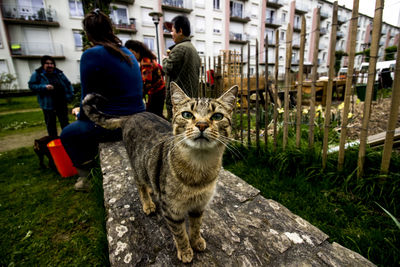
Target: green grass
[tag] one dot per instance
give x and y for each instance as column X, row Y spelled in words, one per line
column 18, row 103
column 43, row 221
column 21, row 123
column 337, row 203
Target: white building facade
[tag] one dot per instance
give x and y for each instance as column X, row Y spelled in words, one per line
column 32, row 28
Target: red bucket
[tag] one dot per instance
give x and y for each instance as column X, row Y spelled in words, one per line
column 61, row 159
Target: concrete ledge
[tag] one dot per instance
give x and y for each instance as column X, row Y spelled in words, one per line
column 240, row 226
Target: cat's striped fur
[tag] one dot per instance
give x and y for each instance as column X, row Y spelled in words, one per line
column 180, row 164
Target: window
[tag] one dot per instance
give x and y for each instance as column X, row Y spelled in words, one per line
column 236, row 9
column 169, row 42
column 124, row 37
column 146, row 19
column 217, row 48
column 38, row 42
column 78, row 39
column 216, row 4
column 75, row 8
column 119, row 16
column 200, row 24
column 270, row 34
column 284, row 14
column 201, row 47
column 282, row 36
column 29, row 8
column 254, row 11
column 217, row 26
column 149, row 42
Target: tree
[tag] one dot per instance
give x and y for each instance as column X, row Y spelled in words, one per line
column 338, row 59
column 389, row 52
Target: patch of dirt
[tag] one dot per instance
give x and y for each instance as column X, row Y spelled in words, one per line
column 380, row 111
column 15, row 141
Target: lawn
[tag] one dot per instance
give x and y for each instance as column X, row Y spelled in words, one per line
column 44, row 221
column 18, row 103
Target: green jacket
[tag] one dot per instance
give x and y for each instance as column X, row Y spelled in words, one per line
column 183, row 67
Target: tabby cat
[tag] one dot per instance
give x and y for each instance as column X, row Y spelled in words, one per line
column 180, row 164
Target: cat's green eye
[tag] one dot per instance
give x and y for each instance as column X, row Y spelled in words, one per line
column 187, row 115
column 217, row 117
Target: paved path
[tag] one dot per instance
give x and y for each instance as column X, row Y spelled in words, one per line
column 20, row 111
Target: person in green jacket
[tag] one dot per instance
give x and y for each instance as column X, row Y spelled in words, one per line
column 182, row 65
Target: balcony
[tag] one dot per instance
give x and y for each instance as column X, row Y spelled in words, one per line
column 131, row 2
column 184, row 6
column 381, row 43
column 271, row 42
column 341, row 20
column 33, row 50
column 296, row 27
column 239, row 16
column 296, row 44
column 295, row 62
column 324, row 14
column 273, row 23
column 17, row 14
column 123, row 27
column 301, row 9
column 238, row 38
column 339, row 35
column 275, row 3
column 384, row 32
column 322, row 47
column 323, row 31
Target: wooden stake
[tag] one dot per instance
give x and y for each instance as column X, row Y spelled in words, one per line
column 276, row 87
column 266, row 95
column 287, row 85
column 314, row 80
column 376, row 34
column 248, row 95
column 348, row 90
column 331, row 74
column 394, row 110
column 241, row 94
column 257, row 101
column 300, row 84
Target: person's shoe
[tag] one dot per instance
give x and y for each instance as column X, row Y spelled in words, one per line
column 82, row 184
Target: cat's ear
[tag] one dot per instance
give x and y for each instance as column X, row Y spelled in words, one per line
column 177, row 94
column 229, row 97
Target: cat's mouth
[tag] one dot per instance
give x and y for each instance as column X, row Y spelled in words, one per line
column 201, row 137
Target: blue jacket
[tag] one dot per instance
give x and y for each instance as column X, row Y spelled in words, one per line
column 118, row 81
column 38, row 81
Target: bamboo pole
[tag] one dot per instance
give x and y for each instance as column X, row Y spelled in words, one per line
column 209, row 84
column 234, row 125
column 241, row 94
column 300, row 84
column 314, row 80
column 257, row 101
column 348, row 90
column 266, row 95
column 394, row 110
column 205, row 77
column 220, row 81
column 248, row 95
column 331, row 74
column 229, row 68
column 276, row 87
column 287, row 84
column 376, row 34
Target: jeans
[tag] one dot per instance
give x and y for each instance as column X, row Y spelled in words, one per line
column 50, row 118
column 81, row 140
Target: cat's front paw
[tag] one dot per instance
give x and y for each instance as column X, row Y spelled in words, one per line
column 149, row 207
column 198, row 244
column 185, row 255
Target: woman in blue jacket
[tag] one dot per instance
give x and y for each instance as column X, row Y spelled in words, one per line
column 108, row 69
column 53, row 91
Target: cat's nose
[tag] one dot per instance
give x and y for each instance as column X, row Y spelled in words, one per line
column 202, row 125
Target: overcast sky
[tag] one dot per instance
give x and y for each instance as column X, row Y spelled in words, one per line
column 391, row 9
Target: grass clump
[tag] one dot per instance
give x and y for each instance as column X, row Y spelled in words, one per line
column 339, row 204
column 44, row 221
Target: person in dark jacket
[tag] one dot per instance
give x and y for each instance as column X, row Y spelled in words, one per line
column 183, row 62
column 54, row 91
column 108, row 69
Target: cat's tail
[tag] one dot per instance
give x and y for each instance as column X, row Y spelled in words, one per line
column 90, row 106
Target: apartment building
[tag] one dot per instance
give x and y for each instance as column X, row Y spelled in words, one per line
column 32, row 28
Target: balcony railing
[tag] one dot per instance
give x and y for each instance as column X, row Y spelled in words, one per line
column 275, row 3
column 238, row 37
column 301, row 8
column 271, row 42
column 324, row 14
column 384, row 31
column 339, row 35
column 128, row 27
column 273, row 22
column 15, row 13
column 177, row 5
column 323, row 31
column 341, row 20
column 34, row 49
column 297, row 27
column 239, row 16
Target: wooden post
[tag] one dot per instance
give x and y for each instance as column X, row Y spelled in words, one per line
column 376, row 34
column 276, row 87
column 257, row 101
column 348, row 90
column 219, row 82
column 205, row 77
column 241, row 94
column 314, row 80
column 229, row 69
column 209, row 84
column 248, row 95
column 234, row 124
column 331, row 74
column 266, row 95
column 300, row 84
column 287, row 85
column 394, row 110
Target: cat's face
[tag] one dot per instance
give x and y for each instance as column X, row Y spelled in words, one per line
column 202, row 123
